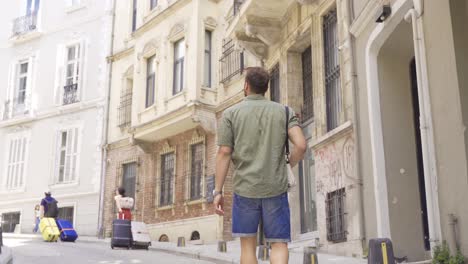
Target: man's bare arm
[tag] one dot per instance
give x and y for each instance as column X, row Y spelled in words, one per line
column 298, row 140
column 223, row 159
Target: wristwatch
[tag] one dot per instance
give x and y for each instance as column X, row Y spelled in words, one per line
column 215, row 193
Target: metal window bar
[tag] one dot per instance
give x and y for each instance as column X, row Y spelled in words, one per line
column 70, row 94
column 125, row 108
column 196, row 171
column 332, row 70
column 167, row 178
column 275, row 84
column 25, row 24
column 335, row 207
column 307, row 87
column 231, row 61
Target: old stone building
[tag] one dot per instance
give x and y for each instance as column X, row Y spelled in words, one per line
column 411, row 64
column 172, row 75
column 306, row 47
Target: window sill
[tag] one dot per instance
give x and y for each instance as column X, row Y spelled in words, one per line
column 194, row 202
column 164, row 208
column 57, row 186
column 177, row 95
column 26, row 37
column 72, row 9
column 333, row 134
column 13, row 191
column 152, row 13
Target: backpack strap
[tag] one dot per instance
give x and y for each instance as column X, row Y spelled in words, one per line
column 286, row 143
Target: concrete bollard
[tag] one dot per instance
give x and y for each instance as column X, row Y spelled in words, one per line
column 310, row 256
column 222, row 246
column 263, row 252
column 181, row 241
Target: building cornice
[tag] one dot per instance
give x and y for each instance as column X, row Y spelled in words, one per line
column 120, row 54
column 158, row 18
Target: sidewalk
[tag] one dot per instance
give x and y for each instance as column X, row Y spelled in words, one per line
column 209, row 252
column 6, row 257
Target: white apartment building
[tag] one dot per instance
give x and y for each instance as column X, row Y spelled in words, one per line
column 53, row 95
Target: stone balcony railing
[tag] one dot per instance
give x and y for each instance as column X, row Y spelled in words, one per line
column 25, row 24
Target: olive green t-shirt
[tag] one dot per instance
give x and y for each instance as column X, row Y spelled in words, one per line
column 256, row 131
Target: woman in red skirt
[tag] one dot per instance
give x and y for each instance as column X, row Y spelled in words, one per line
column 124, row 204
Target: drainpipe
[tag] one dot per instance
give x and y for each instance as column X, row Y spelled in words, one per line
column 357, row 156
column 104, row 132
column 427, row 138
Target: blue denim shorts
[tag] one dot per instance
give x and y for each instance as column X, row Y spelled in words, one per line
column 273, row 211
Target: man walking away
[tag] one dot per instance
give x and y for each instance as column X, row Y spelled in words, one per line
column 252, row 134
column 49, row 206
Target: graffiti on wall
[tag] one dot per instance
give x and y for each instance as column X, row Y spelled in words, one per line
column 334, row 165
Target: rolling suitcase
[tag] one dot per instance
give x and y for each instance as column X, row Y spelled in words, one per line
column 67, row 232
column 121, row 233
column 49, row 230
column 380, row 251
column 140, row 235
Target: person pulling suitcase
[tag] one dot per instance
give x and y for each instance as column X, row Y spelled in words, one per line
column 124, row 204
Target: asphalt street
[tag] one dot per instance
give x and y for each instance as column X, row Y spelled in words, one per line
column 34, row 251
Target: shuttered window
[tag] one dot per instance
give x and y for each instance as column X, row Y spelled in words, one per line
column 72, row 74
column 67, row 155
column 150, row 81
column 196, row 171
column 17, row 151
column 167, row 179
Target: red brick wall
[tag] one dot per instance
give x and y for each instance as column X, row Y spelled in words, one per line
column 146, row 182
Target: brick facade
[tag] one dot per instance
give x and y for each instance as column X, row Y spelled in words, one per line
column 148, row 172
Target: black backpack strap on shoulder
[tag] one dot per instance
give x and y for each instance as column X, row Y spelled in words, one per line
column 286, row 143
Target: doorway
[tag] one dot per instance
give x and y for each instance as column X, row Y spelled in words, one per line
column 9, row 221
column 402, row 145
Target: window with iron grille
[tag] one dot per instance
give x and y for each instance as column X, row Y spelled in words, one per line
column 70, row 93
column 179, row 55
column 67, row 155
column 134, row 15
column 16, row 157
column 231, row 62
column 275, row 84
column 125, row 106
column 335, row 206
column 153, row 4
column 167, row 179
column 308, row 105
column 207, row 70
column 66, row 213
column 129, row 179
column 196, row 171
column 332, row 70
column 150, row 81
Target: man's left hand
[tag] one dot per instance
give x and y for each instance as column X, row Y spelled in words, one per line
column 219, row 204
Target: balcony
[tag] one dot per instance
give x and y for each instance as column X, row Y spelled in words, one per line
column 25, row 24
column 231, row 61
column 70, row 94
column 19, row 106
column 257, row 24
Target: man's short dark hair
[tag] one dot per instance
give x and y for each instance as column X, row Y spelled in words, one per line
column 258, row 79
